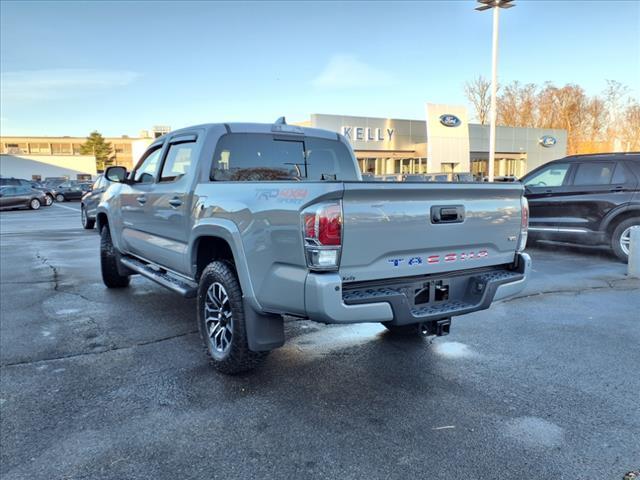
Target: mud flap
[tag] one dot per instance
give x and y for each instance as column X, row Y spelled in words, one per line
column 264, row 331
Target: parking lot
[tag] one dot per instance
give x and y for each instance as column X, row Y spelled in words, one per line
column 99, row 383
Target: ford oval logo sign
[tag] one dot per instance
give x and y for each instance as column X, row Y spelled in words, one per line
column 547, row 141
column 449, row 120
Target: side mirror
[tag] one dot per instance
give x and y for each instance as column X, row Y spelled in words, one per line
column 116, row 174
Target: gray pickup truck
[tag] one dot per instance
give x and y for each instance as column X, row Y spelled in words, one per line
column 263, row 221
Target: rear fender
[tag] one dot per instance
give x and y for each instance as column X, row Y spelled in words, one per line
column 227, row 231
column 616, row 212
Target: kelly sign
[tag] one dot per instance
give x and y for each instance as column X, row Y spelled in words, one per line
column 368, row 134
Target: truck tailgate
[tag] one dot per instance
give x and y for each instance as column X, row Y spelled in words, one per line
column 395, row 230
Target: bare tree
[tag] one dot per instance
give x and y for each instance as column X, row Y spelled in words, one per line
column 508, row 105
column 478, row 91
column 593, row 123
column 615, row 95
column 631, row 127
column 594, row 138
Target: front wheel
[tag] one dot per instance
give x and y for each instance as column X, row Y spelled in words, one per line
column 221, row 321
column 59, row 198
column 621, row 238
column 34, row 204
column 109, row 262
column 87, row 223
column 48, row 199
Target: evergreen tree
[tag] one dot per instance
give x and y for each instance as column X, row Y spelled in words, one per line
column 99, row 148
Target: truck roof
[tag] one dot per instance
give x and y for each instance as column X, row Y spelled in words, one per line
column 280, row 127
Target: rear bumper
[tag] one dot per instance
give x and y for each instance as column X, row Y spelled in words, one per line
column 415, row 300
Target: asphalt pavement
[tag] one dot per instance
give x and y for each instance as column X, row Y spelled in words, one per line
column 98, row 383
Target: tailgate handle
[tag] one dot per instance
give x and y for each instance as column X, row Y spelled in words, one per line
column 447, row 214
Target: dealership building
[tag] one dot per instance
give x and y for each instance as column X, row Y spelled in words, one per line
column 443, row 143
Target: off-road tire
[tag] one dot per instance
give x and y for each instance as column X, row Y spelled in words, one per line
column 109, row 262
column 238, row 358
column 617, row 233
column 87, row 223
column 34, row 204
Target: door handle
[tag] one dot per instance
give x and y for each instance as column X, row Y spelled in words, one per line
column 175, row 202
column 141, row 200
column 619, row 188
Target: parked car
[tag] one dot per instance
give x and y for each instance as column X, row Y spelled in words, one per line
column 463, row 177
column 437, row 177
column 389, row 178
column 50, row 194
column 505, row 178
column 21, row 197
column 586, row 199
column 69, row 190
column 238, row 216
column 90, row 200
column 415, row 177
column 86, row 186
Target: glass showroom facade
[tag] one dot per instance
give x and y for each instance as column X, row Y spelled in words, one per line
column 392, row 146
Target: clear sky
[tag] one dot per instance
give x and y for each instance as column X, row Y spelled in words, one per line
column 119, row 67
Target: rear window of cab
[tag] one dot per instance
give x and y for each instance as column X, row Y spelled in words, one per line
column 257, row 157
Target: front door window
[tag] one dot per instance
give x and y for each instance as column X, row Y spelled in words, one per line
column 551, row 176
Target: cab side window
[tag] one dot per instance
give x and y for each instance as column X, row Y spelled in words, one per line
column 178, row 161
column 98, row 183
column 552, row 176
column 146, row 170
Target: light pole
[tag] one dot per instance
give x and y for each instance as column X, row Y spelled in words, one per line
column 496, row 5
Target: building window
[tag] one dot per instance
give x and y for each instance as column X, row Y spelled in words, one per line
column 122, row 148
column 40, row 148
column 61, row 148
column 76, row 148
column 16, row 148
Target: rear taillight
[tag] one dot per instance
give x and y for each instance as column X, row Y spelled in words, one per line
column 322, row 231
column 524, row 224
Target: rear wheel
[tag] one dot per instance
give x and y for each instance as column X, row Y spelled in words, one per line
column 59, row 197
column 221, row 321
column 87, row 223
column 621, row 238
column 109, row 262
column 34, row 204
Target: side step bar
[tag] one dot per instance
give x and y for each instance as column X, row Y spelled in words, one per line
column 182, row 286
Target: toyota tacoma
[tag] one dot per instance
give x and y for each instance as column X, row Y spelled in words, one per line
column 265, row 221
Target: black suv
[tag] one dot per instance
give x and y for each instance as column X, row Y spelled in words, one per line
column 586, row 199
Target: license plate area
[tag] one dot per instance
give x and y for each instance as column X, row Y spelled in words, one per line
column 431, row 292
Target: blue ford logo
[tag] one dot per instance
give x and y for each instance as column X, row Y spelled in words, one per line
column 449, row 120
column 547, row 141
